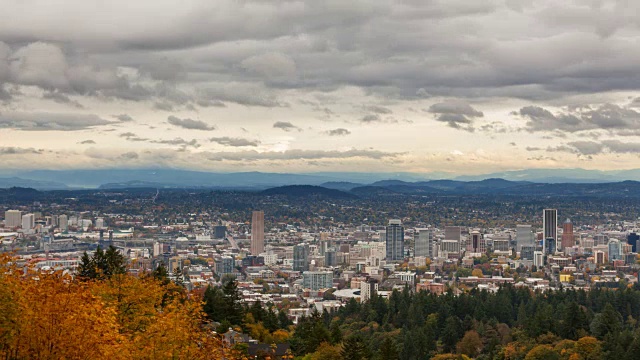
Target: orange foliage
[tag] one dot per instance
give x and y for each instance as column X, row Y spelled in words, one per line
column 53, row 316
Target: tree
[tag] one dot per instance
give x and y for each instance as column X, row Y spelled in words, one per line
column 477, row 272
column 388, row 349
column 354, row 348
column 609, row 321
column 450, row 333
column 542, row 352
column 233, row 309
column 326, row 351
column 102, row 264
column 470, row 345
column 161, row 274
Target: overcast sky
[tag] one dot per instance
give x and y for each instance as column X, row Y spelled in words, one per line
column 460, row 86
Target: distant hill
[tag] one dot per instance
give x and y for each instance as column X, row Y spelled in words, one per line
column 340, row 185
column 33, row 184
column 308, row 191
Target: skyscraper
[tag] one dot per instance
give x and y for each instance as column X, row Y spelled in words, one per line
column 477, row 243
column 567, row 235
column 301, row 257
column 63, row 222
column 257, row 233
column 632, row 239
column 395, row 240
column 28, row 221
column 524, row 237
column 12, row 218
column 549, row 227
column 423, row 243
column 615, row 250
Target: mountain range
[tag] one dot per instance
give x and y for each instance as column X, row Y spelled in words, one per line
column 344, row 181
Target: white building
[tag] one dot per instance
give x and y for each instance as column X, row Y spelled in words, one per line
column 316, row 280
column 368, row 289
column 63, row 222
column 28, row 221
column 12, row 218
column 423, row 243
column 100, row 223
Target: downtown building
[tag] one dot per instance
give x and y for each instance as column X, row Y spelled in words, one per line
column 257, row 233
column 394, row 239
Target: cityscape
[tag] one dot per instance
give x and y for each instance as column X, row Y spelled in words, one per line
column 320, row 180
column 304, row 267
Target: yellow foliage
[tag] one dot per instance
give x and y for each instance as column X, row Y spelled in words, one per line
column 50, row 315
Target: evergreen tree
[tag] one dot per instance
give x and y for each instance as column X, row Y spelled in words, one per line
column 354, row 348
column 388, row 349
column 233, row 309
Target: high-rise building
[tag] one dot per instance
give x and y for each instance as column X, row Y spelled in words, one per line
column 220, row 231
column 615, row 250
column 100, row 223
column 632, row 239
column 257, row 233
column 368, row 289
column 477, row 243
column 567, row 235
column 549, row 226
column 316, row 280
column 63, row 222
column 301, row 257
column 423, row 243
column 524, row 237
column 12, row 218
column 28, row 221
column 395, row 240
column 330, row 258
column 453, row 233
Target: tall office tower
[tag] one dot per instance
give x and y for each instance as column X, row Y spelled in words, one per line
column 12, row 218
column 63, row 222
column 99, row 223
column 632, row 239
column 55, row 221
column 395, row 240
column 615, row 250
column 28, row 221
column 330, row 258
column 301, row 257
column 524, row 237
column 257, row 233
column 549, row 226
column 567, row 235
column 477, row 243
column 423, row 243
column 453, row 233
column 368, row 289
column 550, row 246
column 219, row 232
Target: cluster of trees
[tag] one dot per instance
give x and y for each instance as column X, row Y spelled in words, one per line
column 262, row 322
column 513, row 323
column 52, row 315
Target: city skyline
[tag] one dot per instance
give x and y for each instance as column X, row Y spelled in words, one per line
column 320, row 86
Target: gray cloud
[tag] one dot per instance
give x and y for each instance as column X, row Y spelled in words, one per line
column 338, row 132
column 87, row 142
column 285, row 125
column 10, row 150
column 609, row 117
column 61, row 99
column 129, row 156
column 371, row 118
column 236, row 142
column 300, row 155
column 189, row 123
column 589, row 148
column 178, row 141
column 123, row 117
column 41, row 121
column 378, row 109
column 455, row 113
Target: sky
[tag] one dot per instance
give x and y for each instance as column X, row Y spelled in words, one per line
column 456, row 86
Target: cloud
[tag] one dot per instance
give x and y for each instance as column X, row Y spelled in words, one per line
column 285, row 125
column 86, row 142
column 295, row 154
column 270, row 65
column 42, row 121
column 61, row 99
column 189, row 123
column 371, row 118
column 129, row 156
column 378, row 109
column 123, row 117
column 236, row 142
column 455, row 113
column 338, row 132
column 178, row 141
column 589, row 148
column 10, row 150
column 610, row 117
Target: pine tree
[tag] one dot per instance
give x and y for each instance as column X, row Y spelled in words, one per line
column 354, row 349
column 388, row 349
